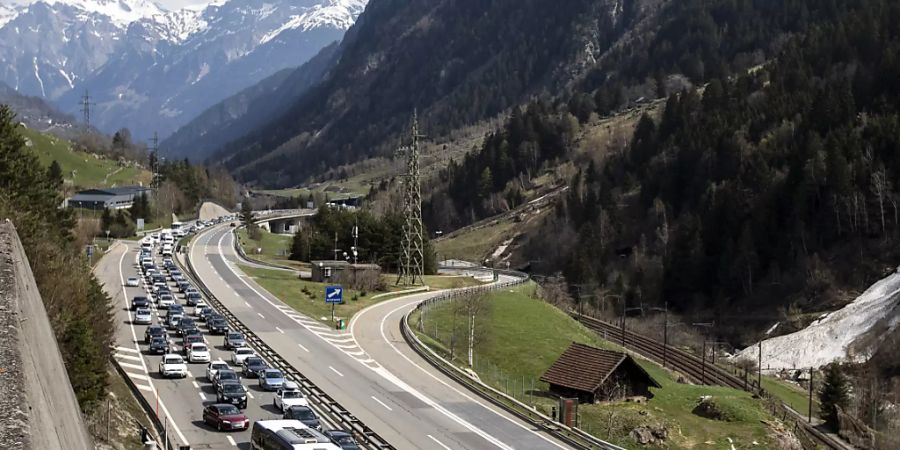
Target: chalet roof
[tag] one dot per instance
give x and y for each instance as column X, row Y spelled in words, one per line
column 586, row 368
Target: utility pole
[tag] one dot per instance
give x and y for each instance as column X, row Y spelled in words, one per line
column 412, row 259
column 86, row 108
column 336, row 249
column 665, row 311
column 809, row 419
column 706, row 325
column 759, row 369
column 355, row 249
column 154, row 160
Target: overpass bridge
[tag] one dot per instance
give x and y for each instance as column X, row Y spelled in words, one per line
column 282, row 221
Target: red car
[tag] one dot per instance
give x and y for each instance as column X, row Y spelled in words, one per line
column 225, row 417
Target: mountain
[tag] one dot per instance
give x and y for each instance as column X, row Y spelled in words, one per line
column 34, row 111
column 150, row 69
column 457, row 62
column 247, row 110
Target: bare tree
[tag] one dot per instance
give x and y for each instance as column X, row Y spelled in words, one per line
column 474, row 308
column 880, row 188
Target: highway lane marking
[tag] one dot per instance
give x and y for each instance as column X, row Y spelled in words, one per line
column 279, row 330
column 128, row 349
column 335, row 371
column 231, row 440
column 248, row 305
column 143, row 388
column 250, row 394
column 437, row 441
column 190, row 375
column 132, row 366
column 260, row 315
column 137, row 377
column 162, row 405
column 129, row 357
column 196, row 385
column 304, row 348
column 382, row 403
column 202, row 396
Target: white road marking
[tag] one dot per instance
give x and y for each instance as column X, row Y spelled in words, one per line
column 433, row 439
column 128, row 349
column 202, row 395
column 248, row 305
column 250, row 394
column 190, row 375
column 128, row 357
column 335, row 371
column 382, row 403
column 231, row 440
column 279, row 330
column 304, row 348
column 132, row 366
column 143, row 388
column 260, row 315
column 137, row 377
column 196, row 385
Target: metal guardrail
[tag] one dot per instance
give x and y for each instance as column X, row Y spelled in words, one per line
column 145, row 405
column 337, row 413
column 572, row 436
column 240, row 251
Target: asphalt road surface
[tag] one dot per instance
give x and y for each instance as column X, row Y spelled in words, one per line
column 368, row 368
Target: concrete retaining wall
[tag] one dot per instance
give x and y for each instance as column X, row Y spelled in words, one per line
column 38, row 408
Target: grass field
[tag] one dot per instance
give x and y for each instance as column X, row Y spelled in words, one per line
column 83, row 170
column 523, row 336
column 272, row 248
column 474, row 245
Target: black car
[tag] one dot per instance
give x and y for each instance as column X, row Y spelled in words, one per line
column 225, row 376
column 205, row 313
column 193, row 298
column 342, row 439
column 159, row 279
column 154, row 331
column 158, row 346
column 304, row 414
column 140, row 302
column 186, row 324
column 232, row 392
column 253, row 365
column 217, row 326
column 182, row 285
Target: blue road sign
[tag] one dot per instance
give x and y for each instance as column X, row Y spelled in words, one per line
column 334, row 294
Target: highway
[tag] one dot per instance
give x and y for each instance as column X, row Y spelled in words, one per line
column 368, row 369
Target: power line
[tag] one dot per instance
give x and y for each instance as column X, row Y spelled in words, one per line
column 86, row 107
column 412, row 260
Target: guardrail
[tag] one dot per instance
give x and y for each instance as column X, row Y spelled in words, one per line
column 572, row 436
column 240, row 251
column 145, row 405
column 335, row 412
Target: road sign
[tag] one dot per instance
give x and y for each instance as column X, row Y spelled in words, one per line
column 139, row 224
column 334, row 294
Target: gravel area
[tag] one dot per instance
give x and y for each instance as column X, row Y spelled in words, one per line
column 14, row 411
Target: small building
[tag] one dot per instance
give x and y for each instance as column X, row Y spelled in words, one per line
column 107, row 198
column 342, row 271
column 593, row 374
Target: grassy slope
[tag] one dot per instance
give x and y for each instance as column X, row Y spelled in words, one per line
column 275, row 248
column 474, row 245
column 290, row 289
column 89, row 171
column 525, row 336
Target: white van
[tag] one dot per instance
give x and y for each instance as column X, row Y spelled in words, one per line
column 166, row 250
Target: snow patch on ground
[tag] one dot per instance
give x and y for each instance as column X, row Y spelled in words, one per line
column 826, row 340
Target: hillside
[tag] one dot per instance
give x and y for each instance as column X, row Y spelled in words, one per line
column 80, row 169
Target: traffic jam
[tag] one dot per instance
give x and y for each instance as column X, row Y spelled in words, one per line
column 182, row 331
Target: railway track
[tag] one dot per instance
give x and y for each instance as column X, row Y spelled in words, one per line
column 694, row 368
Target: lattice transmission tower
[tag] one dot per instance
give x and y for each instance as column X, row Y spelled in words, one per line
column 412, row 258
column 86, row 108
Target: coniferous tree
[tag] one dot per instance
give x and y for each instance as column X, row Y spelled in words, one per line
column 833, row 394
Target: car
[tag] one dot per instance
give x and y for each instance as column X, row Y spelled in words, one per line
column 225, row 417
column 173, row 319
column 154, row 331
column 184, row 287
column 142, row 317
column 192, row 298
column 158, row 346
column 342, row 439
column 172, row 366
column 132, row 282
column 233, row 392
column 233, row 340
column 217, row 326
column 273, row 379
column 139, row 302
column 198, row 352
column 205, row 313
column 165, row 300
column 189, row 339
column 223, row 376
column 304, row 414
column 160, row 278
column 238, row 355
column 252, row 366
column 186, row 324
column 214, row 367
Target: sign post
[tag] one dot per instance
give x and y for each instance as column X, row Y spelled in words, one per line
column 334, row 295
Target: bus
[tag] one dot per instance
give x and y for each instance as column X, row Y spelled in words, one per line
column 287, row 435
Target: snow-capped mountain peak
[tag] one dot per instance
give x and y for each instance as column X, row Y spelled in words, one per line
column 120, row 12
column 339, row 14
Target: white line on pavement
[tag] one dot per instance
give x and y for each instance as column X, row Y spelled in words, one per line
column 196, row 385
column 131, row 366
column 279, row 330
column 202, row 396
column 433, row 439
column 144, row 388
column 260, row 315
column 382, row 403
column 248, row 305
column 335, row 371
column 250, row 394
column 231, row 441
column 128, row 349
column 304, row 348
column 137, row 377
column 129, row 357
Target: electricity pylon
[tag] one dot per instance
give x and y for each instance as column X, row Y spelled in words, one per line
column 412, row 258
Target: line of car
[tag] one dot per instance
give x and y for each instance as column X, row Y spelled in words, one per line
column 231, row 395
